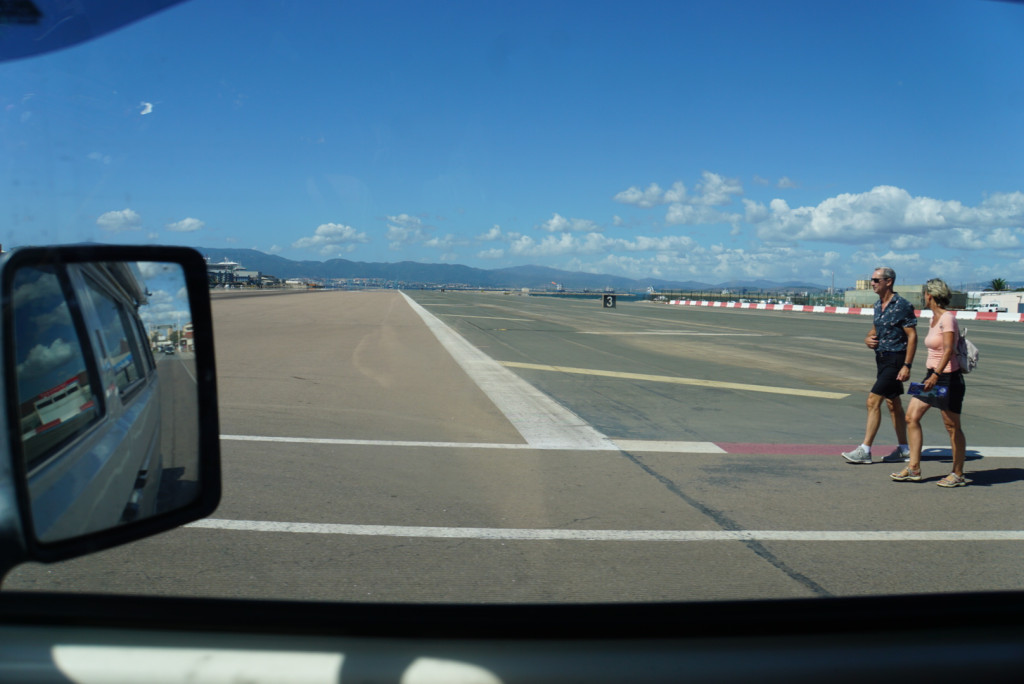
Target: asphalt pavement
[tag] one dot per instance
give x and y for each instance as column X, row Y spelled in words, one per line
column 463, row 447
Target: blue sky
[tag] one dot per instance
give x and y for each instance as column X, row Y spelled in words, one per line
column 705, row 141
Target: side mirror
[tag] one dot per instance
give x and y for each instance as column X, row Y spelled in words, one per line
column 109, row 398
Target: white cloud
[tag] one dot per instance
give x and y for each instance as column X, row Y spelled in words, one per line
column 493, row 234
column 403, row 230
column 445, row 242
column 909, row 242
column 559, row 224
column 692, row 215
column 495, row 253
column 677, row 193
column 716, row 263
column 713, row 190
column 187, row 225
column 975, row 238
column 650, row 197
column 41, row 360
column 595, row 243
column 716, row 190
column 119, row 221
column 552, row 245
column 899, row 262
column 892, row 213
column 145, row 108
column 331, row 239
column 755, row 212
column 42, row 287
column 786, row 183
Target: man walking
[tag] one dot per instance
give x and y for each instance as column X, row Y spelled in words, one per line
column 894, row 339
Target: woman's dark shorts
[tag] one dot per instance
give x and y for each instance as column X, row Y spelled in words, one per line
column 889, row 365
column 954, row 399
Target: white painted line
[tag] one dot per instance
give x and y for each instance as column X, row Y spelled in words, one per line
column 611, row 445
column 984, row 452
column 376, row 442
column 630, row 445
column 798, row 392
column 542, row 421
column 521, row 534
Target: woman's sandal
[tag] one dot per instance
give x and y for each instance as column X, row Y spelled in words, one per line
column 907, row 475
column 952, row 480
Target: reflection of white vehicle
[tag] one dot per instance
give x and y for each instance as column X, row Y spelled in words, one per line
column 96, row 433
column 992, row 307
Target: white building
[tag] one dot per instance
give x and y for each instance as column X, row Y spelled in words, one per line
column 1013, row 302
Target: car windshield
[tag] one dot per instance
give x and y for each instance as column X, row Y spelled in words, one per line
column 558, row 302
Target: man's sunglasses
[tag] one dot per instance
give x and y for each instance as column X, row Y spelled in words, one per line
column 878, row 280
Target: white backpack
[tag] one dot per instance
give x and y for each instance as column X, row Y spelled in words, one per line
column 966, row 353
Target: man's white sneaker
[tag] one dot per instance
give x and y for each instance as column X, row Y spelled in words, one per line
column 858, row 455
column 897, row 456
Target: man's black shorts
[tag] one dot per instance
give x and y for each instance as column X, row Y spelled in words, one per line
column 889, row 365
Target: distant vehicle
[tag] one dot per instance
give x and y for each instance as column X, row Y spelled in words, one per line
column 992, row 308
column 168, row 349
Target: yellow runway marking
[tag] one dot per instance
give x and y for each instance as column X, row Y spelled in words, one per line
column 679, row 381
column 493, row 318
column 670, row 332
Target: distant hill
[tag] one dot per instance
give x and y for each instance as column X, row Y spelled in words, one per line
column 533, row 277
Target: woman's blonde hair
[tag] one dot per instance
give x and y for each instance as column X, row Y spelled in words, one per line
column 939, row 291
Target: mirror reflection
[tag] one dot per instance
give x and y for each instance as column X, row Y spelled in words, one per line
column 107, row 396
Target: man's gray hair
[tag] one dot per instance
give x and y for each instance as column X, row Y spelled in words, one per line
column 887, row 272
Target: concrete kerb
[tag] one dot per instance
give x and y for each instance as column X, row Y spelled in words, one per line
column 852, row 310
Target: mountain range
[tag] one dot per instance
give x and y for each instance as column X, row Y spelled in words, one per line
column 534, row 277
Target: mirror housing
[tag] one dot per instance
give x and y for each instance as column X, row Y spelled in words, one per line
column 92, row 393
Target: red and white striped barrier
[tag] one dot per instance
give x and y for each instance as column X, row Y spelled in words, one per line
column 855, row 310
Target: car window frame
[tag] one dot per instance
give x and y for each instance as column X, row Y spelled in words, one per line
column 79, row 325
column 127, row 326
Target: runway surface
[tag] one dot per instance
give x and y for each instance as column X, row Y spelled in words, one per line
column 461, row 447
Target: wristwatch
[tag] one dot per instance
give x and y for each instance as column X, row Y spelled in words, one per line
column 908, row 365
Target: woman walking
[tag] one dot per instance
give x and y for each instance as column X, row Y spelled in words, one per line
column 943, row 372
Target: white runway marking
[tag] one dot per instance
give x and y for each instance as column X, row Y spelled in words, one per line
column 610, row 445
column 631, row 445
column 542, row 421
column 520, row 534
column 398, row 443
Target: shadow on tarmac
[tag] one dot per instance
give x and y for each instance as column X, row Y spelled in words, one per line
column 997, row 476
